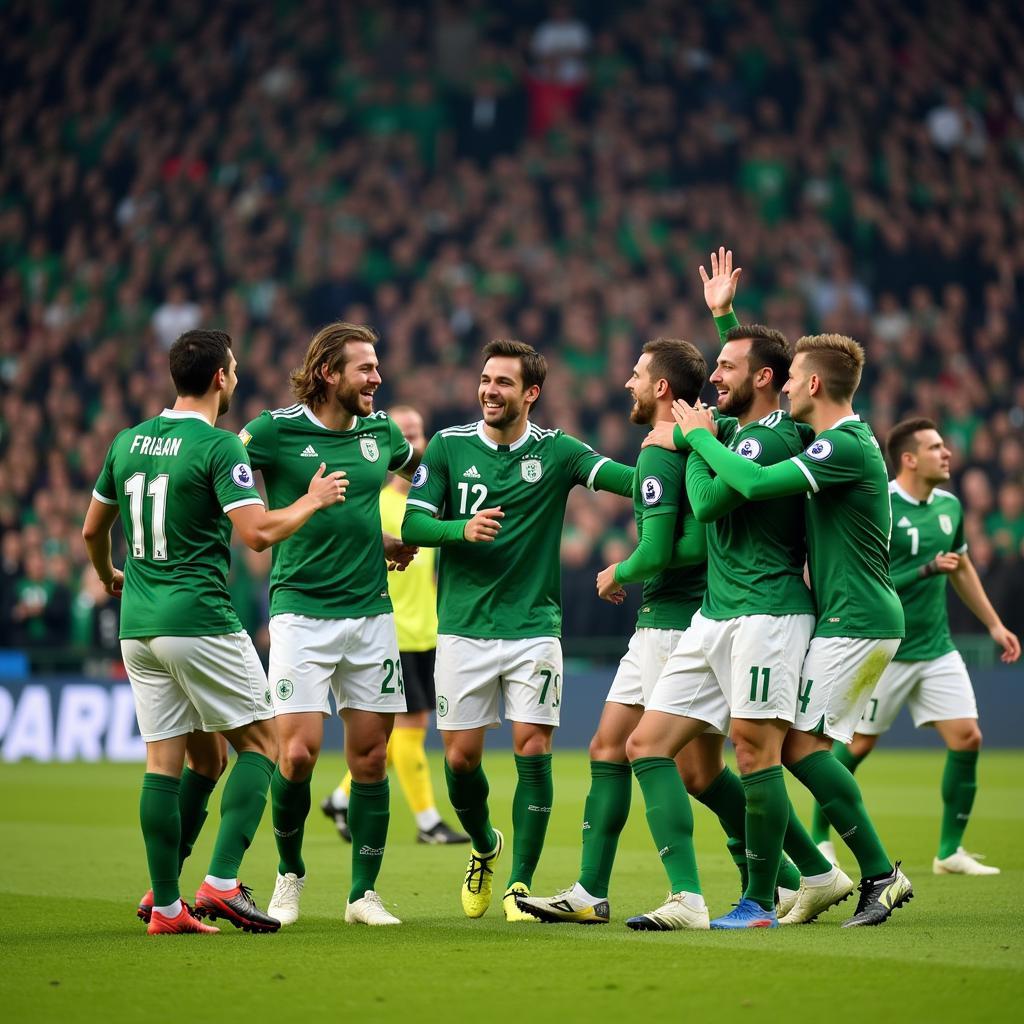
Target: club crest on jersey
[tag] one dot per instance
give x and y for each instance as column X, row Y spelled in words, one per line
column 946, row 524
column 368, row 446
column 245, row 436
column 820, row 450
column 531, row 469
column 651, row 490
column 419, row 478
column 242, row 475
column 750, row 448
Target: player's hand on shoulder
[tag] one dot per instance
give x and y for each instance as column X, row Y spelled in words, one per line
column 1008, row 641
column 608, row 589
column 694, row 417
column 720, row 287
column 484, row 526
column 660, row 436
column 327, row 488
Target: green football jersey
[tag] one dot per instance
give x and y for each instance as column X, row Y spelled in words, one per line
column 173, row 478
column 332, row 568
column 920, row 531
column 509, row 588
column 849, row 521
column 671, row 596
column 756, row 552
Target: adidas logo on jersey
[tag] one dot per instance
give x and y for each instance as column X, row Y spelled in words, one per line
column 904, row 521
column 309, row 452
column 473, row 473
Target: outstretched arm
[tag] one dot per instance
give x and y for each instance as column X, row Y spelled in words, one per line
column 967, row 584
column 614, row 477
column 710, row 496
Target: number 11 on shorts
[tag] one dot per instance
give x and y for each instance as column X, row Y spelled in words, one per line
column 765, row 674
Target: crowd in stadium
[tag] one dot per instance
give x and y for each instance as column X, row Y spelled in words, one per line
column 462, row 172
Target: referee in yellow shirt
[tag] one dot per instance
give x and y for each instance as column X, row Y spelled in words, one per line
column 414, row 595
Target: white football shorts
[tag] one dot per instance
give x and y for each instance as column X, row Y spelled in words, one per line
column 641, row 665
column 185, row 683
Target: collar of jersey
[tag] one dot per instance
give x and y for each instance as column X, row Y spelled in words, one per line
column 185, row 414
column 894, row 488
column 854, row 418
column 493, row 444
column 323, row 426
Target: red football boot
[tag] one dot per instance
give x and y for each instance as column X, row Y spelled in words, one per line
column 185, row 923
column 234, row 905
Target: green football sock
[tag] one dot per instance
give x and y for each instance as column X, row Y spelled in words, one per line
column 192, row 801
column 670, row 818
column 468, row 793
column 798, row 845
column 369, row 812
column 289, row 808
column 959, row 784
column 161, row 832
column 832, row 785
column 241, row 807
column 724, row 798
column 819, row 823
column 766, row 821
column 604, row 817
column 531, row 812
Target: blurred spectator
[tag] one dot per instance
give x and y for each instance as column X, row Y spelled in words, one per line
column 481, row 172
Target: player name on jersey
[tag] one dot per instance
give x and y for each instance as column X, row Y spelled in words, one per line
column 144, row 444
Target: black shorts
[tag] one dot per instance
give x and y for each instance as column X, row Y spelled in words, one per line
column 418, row 676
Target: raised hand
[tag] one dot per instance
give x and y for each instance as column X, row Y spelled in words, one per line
column 720, row 287
column 693, row 417
column 484, row 526
column 607, row 587
column 327, row 490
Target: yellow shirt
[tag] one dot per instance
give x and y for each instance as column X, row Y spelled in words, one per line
column 413, row 592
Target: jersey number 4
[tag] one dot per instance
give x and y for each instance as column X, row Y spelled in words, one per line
column 135, row 487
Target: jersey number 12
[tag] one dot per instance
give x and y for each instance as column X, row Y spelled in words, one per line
column 135, row 487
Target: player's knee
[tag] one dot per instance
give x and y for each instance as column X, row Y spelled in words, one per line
column 696, row 778
column 297, row 759
column 462, row 762
column 603, row 750
column 209, row 763
column 637, row 747
column 968, row 738
column 370, row 764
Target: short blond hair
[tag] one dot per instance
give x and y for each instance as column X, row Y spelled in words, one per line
column 837, row 360
column 327, row 348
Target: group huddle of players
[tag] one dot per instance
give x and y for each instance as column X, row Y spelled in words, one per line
column 772, row 612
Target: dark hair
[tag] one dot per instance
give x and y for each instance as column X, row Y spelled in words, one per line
column 837, row 360
column 768, row 350
column 534, row 365
column 901, row 438
column 679, row 363
column 195, row 357
column 327, row 348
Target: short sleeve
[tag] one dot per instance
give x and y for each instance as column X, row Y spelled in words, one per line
column 231, row 474
column 580, row 460
column 660, row 481
column 833, row 457
column 430, row 481
column 105, row 490
column 401, row 450
column 259, row 439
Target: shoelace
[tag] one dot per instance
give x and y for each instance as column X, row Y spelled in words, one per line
column 246, row 894
column 477, row 869
column 289, row 887
column 373, row 899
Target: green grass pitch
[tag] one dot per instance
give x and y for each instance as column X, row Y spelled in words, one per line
column 73, row 868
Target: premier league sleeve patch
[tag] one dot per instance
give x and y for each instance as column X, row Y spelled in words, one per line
column 419, row 478
column 242, row 475
column 749, row 448
column 651, row 490
column 820, row 450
